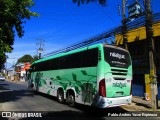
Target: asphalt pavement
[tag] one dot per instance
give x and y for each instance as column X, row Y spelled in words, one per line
column 16, row 97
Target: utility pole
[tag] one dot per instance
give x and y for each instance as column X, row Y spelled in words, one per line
column 124, row 26
column 40, row 49
column 151, row 56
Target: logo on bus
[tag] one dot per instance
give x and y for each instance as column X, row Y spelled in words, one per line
column 117, row 55
column 120, row 85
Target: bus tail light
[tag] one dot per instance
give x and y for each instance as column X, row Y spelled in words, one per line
column 102, row 88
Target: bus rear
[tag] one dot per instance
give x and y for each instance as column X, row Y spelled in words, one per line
column 115, row 78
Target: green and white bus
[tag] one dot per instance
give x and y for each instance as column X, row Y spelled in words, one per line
column 98, row 75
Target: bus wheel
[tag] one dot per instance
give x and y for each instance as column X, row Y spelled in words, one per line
column 60, row 96
column 71, row 100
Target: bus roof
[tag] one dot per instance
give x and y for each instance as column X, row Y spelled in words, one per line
column 74, row 51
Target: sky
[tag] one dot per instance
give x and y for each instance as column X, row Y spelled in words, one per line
column 62, row 23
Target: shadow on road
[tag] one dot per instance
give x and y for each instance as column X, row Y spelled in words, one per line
column 85, row 113
column 3, row 86
column 7, row 96
column 69, row 115
column 85, row 107
column 143, row 105
column 10, row 92
column 64, row 115
column 101, row 111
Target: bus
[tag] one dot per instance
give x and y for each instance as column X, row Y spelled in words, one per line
column 98, row 75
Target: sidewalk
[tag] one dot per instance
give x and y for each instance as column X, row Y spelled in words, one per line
column 139, row 104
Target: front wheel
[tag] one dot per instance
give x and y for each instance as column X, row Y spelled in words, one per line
column 71, row 100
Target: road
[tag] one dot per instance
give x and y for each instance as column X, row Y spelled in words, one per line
column 15, row 97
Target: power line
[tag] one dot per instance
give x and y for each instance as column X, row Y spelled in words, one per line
column 41, row 45
column 98, row 38
column 108, row 16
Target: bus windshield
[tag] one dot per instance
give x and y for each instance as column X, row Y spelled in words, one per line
column 117, row 57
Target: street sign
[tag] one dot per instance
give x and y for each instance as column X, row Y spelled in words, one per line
column 134, row 10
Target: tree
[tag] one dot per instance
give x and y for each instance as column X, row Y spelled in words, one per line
column 2, row 60
column 25, row 58
column 13, row 14
column 101, row 2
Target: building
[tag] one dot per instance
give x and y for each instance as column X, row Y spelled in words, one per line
column 10, row 74
column 21, row 69
column 137, row 46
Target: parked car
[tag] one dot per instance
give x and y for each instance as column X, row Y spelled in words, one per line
column 2, row 78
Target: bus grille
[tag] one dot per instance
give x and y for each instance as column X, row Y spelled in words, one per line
column 119, row 74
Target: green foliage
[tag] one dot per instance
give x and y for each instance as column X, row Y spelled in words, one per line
column 101, row 2
column 48, row 92
column 59, row 78
column 43, row 82
column 2, row 60
column 14, row 14
column 25, row 58
column 77, row 90
column 84, row 72
column 74, row 77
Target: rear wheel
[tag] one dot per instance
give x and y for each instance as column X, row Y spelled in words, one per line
column 71, row 100
column 31, row 88
column 60, row 96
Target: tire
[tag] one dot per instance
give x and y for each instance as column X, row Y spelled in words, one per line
column 71, row 100
column 60, row 96
column 33, row 92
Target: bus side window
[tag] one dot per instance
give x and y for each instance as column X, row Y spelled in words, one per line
column 63, row 62
column 75, row 60
column 90, row 58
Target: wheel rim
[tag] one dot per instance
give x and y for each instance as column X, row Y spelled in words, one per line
column 60, row 96
column 71, row 99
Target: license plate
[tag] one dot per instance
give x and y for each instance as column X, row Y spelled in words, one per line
column 119, row 93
